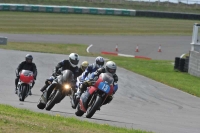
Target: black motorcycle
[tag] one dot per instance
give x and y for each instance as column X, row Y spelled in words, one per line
column 62, row 86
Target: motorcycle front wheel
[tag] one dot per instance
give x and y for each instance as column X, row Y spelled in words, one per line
column 95, row 105
column 23, row 93
column 41, row 105
column 79, row 112
column 54, row 98
column 74, row 100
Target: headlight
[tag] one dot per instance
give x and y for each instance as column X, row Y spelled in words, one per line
column 67, row 86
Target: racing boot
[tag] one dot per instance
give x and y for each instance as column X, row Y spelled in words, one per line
column 78, row 94
column 16, row 90
column 30, row 93
column 81, row 89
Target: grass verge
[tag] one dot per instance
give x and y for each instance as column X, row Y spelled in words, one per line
column 52, row 23
column 25, row 121
column 158, row 70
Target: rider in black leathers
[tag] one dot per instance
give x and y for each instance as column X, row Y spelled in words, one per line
column 26, row 65
column 70, row 64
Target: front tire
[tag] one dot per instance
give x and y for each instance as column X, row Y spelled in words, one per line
column 53, row 100
column 91, row 110
column 74, row 101
column 24, row 91
column 41, row 105
column 79, row 112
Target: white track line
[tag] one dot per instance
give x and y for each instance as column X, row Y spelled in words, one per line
column 126, row 55
column 182, row 55
column 89, row 48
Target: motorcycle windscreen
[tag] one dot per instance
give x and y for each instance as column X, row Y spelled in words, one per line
column 67, row 76
column 107, row 77
column 106, row 82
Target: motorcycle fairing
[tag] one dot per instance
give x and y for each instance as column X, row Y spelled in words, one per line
column 98, row 83
column 26, row 76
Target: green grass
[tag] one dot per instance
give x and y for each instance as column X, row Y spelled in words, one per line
column 163, row 6
column 25, row 121
column 161, row 71
column 47, row 48
column 48, row 23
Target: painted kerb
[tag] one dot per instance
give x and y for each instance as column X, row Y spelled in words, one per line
column 66, row 9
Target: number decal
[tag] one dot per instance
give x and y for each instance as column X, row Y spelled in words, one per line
column 104, row 87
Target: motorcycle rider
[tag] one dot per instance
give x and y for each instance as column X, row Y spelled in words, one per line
column 70, row 64
column 26, row 65
column 111, row 68
column 99, row 62
column 82, row 67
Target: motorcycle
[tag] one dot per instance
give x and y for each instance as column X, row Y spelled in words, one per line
column 95, row 96
column 74, row 100
column 61, row 88
column 26, row 79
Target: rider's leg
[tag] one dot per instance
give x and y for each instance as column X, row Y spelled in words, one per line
column 82, row 88
column 30, row 93
column 16, row 82
column 47, row 83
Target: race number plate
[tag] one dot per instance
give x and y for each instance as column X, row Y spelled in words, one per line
column 104, row 87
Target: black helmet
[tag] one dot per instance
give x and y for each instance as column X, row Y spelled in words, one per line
column 29, row 58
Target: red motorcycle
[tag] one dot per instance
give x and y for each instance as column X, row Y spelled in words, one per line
column 95, row 95
column 26, row 79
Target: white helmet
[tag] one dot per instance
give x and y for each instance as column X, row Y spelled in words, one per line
column 99, row 61
column 111, row 67
column 74, row 59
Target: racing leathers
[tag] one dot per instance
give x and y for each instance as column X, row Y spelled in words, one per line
column 90, row 69
column 61, row 66
column 84, row 76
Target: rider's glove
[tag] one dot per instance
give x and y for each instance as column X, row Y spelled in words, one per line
column 89, row 83
column 95, row 78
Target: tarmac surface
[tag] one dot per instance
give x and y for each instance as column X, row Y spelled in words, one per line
column 171, row 46
column 140, row 103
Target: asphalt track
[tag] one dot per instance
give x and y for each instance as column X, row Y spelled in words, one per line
column 171, row 46
column 140, row 103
